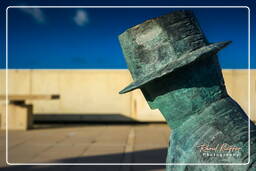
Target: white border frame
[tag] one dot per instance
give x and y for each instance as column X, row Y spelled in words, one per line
column 249, row 82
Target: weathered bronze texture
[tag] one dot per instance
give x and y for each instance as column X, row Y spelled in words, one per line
column 178, row 73
column 162, row 45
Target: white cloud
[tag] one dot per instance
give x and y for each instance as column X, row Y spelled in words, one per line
column 36, row 13
column 81, row 17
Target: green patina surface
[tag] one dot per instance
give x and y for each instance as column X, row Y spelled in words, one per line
column 199, row 111
column 178, row 73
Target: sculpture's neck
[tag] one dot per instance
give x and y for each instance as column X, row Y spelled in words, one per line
column 198, row 87
column 187, row 102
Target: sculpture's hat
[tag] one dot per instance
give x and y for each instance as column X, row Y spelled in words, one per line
column 162, row 45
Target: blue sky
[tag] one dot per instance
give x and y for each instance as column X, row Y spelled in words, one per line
column 84, row 38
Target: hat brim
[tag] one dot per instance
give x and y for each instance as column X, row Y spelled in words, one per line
column 182, row 61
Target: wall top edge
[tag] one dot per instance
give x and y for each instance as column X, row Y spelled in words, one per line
column 1, row 69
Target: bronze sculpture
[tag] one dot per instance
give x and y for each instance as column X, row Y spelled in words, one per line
column 178, row 72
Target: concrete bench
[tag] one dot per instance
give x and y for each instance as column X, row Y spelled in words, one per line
column 20, row 111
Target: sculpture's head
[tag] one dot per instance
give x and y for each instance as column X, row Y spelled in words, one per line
column 173, row 64
column 187, row 91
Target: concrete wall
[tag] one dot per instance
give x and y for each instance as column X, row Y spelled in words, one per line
column 95, row 92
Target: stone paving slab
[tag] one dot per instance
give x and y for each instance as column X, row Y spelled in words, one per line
column 105, row 143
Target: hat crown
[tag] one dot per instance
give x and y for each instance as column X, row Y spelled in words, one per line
column 149, row 46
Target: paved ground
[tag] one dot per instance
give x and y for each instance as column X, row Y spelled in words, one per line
column 118, row 143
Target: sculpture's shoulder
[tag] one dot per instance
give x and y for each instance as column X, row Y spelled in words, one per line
column 217, row 135
column 224, row 116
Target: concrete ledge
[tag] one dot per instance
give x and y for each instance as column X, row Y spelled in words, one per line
column 20, row 117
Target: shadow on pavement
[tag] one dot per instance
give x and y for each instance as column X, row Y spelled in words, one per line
column 145, row 156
